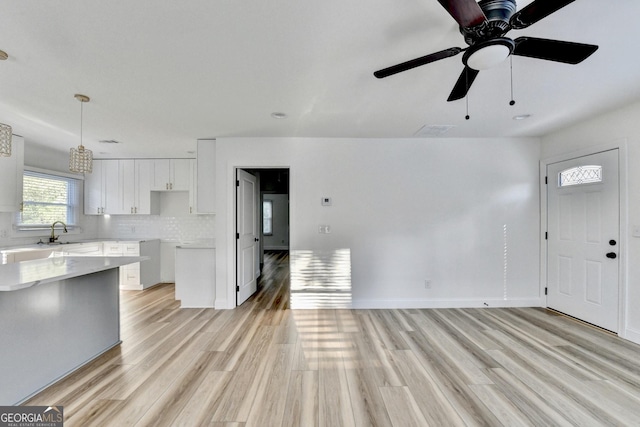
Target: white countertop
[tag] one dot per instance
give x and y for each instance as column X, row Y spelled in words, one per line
column 61, row 246
column 198, row 244
column 25, row 274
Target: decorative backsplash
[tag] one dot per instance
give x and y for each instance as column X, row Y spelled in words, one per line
column 166, row 228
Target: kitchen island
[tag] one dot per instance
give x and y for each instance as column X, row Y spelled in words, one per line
column 57, row 314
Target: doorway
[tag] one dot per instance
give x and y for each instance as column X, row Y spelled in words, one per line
column 583, row 238
column 262, row 223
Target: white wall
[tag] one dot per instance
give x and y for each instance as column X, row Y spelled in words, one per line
column 620, row 127
column 463, row 213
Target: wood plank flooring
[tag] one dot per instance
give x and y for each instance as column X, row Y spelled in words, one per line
column 266, row 365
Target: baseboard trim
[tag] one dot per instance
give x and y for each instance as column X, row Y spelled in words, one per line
column 221, row 304
column 446, row 303
column 632, row 335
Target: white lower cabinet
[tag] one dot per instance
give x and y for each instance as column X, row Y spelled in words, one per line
column 138, row 276
column 195, row 284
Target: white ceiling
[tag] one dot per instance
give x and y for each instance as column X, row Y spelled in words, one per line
column 162, row 73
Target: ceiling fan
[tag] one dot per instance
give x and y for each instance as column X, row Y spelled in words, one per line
column 484, row 25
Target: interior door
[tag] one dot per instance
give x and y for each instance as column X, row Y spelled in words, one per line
column 583, row 238
column 247, row 235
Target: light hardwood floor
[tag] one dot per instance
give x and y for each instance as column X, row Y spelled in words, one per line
column 266, row 365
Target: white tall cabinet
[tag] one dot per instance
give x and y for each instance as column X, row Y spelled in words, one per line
column 206, row 176
column 11, row 169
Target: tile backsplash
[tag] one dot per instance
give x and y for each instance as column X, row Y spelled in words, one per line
column 166, row 228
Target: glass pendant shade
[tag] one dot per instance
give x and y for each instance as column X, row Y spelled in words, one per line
column 80, row 160
column 5, row 140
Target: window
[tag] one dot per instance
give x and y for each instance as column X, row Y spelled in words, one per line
column 267, row 217
column 48, row 198
column 580, row 175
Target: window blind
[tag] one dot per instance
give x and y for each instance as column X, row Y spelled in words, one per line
column 48, row 198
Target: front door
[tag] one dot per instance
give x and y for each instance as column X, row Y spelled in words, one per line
column 583, row 238
column 247, row 235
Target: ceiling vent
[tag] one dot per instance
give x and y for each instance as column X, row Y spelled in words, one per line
column 109, row 141
column 431, row 131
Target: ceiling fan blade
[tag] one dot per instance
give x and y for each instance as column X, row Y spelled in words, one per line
column 535, row 11
column 463, row 84
column 553, row 50
column 398, row 68
column 467, row 13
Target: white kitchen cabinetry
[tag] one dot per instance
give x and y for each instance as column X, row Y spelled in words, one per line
column 170, row 175
column 195, row 276
column 11, row 169
column 101, row 188
column 83, row 249
column 119, row 187
column 193, row 184
column 136, row 187
column 140, row 275
column 94, row 190
column 206, row 176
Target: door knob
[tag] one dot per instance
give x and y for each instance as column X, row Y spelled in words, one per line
column 256, row 239
column 612, row 255
column 612, row 242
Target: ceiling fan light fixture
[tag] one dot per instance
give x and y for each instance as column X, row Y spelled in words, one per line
column 488, row 54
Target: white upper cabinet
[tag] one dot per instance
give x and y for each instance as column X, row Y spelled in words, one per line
column 144, row 202
column 206, row 176
column 113, row 182
column 119, row 187
column 193, row 183
column 94, row 190
column 11, row 169
column 171, row 175
column 102, row 188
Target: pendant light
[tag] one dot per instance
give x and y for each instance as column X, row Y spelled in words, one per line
column 81, row 159
column 5, row 130
column 5, row 140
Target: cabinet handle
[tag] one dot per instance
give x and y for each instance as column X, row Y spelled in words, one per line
column 135, row 210
column 98, row 210
column 171, row 186
column 167, row 185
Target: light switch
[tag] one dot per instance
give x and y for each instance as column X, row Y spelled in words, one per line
column 324, row 229
column 636, row 231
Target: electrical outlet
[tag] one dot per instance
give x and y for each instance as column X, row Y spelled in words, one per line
column 324, row 229
column 4, row 234
column 427, row 284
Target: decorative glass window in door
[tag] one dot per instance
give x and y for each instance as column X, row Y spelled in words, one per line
column 586, row 174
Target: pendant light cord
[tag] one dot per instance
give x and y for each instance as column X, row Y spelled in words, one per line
column 81, row 109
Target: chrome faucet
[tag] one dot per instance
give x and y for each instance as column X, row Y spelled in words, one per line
column 53, row 237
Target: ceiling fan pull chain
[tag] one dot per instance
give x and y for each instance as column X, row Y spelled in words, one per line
column 466, row 98
column 512, row 102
